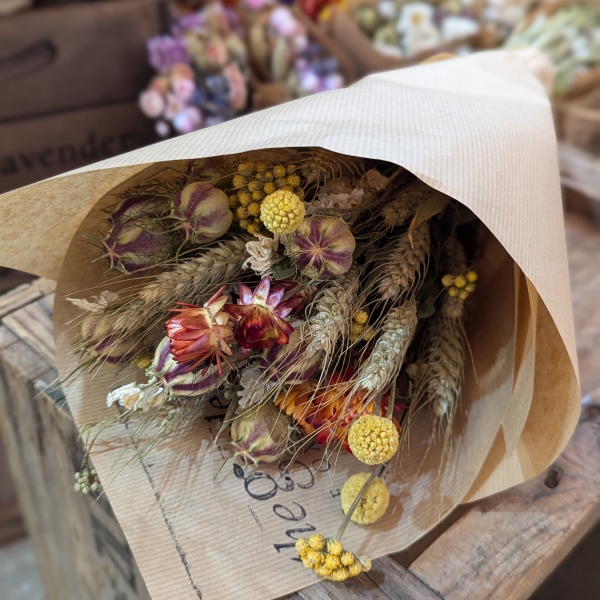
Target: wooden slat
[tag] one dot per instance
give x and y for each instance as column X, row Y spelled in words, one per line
column 25, row 294
column 506, row 545
column 33, row 325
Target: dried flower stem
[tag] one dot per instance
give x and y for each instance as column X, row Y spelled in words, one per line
column 404, row 202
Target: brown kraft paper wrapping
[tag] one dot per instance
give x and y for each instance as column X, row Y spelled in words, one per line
column 478, row 129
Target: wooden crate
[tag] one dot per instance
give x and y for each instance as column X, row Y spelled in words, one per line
column 502, row 547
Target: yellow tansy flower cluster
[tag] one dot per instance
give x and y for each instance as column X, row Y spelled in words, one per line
column 282, row 212
column 359, row 329
column 252, row 183
column 373, row 439
column 460, row 286
column 374, row 502
column 328, row 559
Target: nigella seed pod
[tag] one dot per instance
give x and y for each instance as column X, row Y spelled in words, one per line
column 98, row 341
column 136, row 208
column 322, row 247
column 175, row 377
column 136, row 243
column 260, row 435
column 201, row 212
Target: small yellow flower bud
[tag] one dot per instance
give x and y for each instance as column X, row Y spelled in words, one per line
column 365, row 563
column 279, row 171
column 293, row 180
column 246, row 169
column 460, row 281
column 244, row 223
column 368, row 333
column 241, row 212
column 340, row 574
column 314, row 558
column 334, row 547
column 332, row 562
column 463, row 294
column 322, row 571
column 245, row 198
column 255, row 185
column 254, row 209
column 453, row 292
column 258, row 195
column 269, row 176
column 354, row 569
column 239, row 181
column 269, row 187
column 261, row 168
column 447, row 280
column 347, row 558
column 362, row 316
column 470, row 287
column 317, row 541
column 233, row 201
column 253, row 229
column 302, row 546
column 356, row 329
column 472, row 277
column 291, row 169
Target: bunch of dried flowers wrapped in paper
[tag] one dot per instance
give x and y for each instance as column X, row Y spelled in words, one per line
column 321, row 295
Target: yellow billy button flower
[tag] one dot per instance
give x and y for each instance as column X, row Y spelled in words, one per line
column 447, row 280
column 472, row 277
column 460, row 281
column 282, row 212
column 302, row 546
column 374, row 502
column 317, row 541
column 373, row 439
column 335, row 547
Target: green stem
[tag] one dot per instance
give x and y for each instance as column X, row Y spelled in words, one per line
column 376, row 473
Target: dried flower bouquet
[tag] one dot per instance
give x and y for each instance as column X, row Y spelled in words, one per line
column 321, row 297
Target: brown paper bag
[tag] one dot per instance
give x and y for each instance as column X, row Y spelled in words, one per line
column 478, row 129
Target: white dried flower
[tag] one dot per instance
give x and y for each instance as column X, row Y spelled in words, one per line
column 262, row 255
column 373, row 179
column 252, row 390
column 136, row 397
column 98, row 303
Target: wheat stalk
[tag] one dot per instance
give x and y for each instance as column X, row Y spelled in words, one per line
column 403, row 266
column 318, row 165
column 332, row 313
column 189, row 281
column 404, row 202
column 384, row 363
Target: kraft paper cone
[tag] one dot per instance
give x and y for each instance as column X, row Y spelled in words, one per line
column 478, row 129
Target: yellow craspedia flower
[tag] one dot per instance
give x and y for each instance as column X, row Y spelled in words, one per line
column 258, row 195
column 373, row 504
column 244, row 223
column 361, row 317
column 314, row 558
column 317, row 541
column 347, row 559
column 368, row 333
column 463, row 294
column 254, row 209
column 233, row 201
column 253, row 228
column 460, row 281
column 255, row 185
column 241, row 212
column 293, row 180
column 282, row 212
column 334, row 547
column 246, row 169
column 470, row 287
column 472, row 277
column 261, row 168
column 322, row 571
column 354, row 569
column 453, row 292
column 447, row 280
column 373, row 439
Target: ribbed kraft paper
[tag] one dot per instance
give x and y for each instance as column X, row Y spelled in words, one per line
column 479, row 129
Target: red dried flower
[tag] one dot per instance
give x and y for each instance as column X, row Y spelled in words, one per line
column 201, row 333
column 261, row 316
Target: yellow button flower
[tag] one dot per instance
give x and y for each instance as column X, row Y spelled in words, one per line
column 373, row 439
column 282, row 212
column 374, row 503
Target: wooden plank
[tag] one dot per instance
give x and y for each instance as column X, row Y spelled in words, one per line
column 25, row 294
column 507, row 544
column 33, row 325
column 80, row 548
